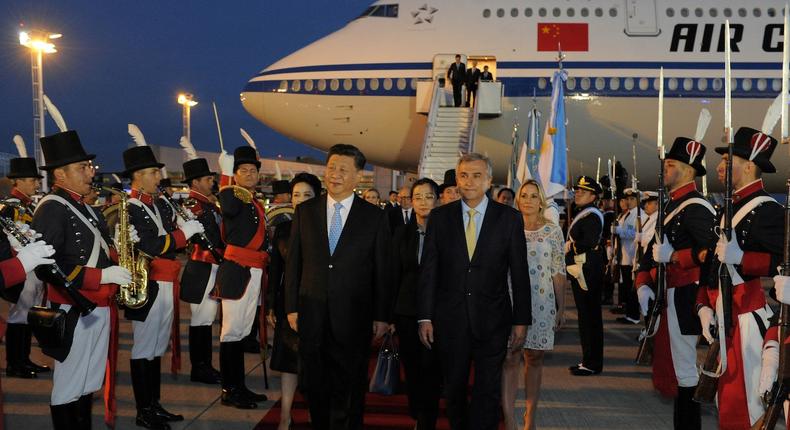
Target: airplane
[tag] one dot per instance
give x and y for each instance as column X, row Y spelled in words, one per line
column 359, row 85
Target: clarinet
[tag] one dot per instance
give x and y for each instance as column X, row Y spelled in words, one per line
column 82, row 304
column 202, row 239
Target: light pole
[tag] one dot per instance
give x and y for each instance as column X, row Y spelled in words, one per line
column 39, row 42
column 186, row 100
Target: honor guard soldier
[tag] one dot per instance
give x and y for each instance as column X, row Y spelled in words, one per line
column 626, row 231
column 240, row 276
column 688, row 235
column 82, row 243
column 584, row 259
column 754, row 251
column 153, row 322
column 19, row 207
column 650, row 207
column 608, row 208
column 197, row 281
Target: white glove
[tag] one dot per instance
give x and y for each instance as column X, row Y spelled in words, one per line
column 645, row 295
column 662, row 251
column 226, row 163
column 769, row 367
column 115, row 275
column 35, row 254
column 706, row 318
column 132, row 234
column 14, row 243
column 782, row 288
column 191, row 228
column 729, row 252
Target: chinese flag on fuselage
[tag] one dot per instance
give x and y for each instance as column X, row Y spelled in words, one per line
column 570, row 36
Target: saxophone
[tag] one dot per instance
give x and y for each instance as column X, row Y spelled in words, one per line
column 135, row 294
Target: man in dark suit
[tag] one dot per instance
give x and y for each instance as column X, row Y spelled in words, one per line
column 404, row 213
column 472, row 80
column 463, row 303
column 486, row 76
column 457, row 76
column 338, row 287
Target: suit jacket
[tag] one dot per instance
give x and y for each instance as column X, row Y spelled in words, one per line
column 348, row 289
column 486, row 76
column 406, row 268
column 473, row 77
column 456, row 292
column 395, row 216
column 457, row 74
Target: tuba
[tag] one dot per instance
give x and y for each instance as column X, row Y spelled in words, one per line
column 135, row 294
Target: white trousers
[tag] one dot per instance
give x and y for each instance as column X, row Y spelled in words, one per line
column 238, row 316
column 32, row 295
column 152, row 336
column 751, row 352
column 683, row 347
column 205, row 312
column 83, row 370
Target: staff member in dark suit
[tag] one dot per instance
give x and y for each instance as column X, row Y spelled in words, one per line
column 404, row 213
column 285, row 356
column 338, row 286
column 423, row 380
column 463, row 303
column 486, row 76
column 456, row 73
column 472, row 80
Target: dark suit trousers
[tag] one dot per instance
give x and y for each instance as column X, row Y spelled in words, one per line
column 628, row 291
column 423, row 377
column 333, row 378
column 457, row 351
column 471, row 95
column 457, row 95
column 588, row 306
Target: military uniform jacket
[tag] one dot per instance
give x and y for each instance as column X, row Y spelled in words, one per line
column 19, row 208
column 691, row 233
column 585, row 234
column 244, row 234
column 73, row 241
column 194, row 279
column 760, row 234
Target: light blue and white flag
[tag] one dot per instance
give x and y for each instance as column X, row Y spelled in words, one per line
column 553, row 163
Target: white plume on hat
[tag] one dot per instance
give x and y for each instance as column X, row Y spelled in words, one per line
column 137, row 135
column 772, row 115
column 249, row 140
column 20, row 146
column 54, row 113
column 277, row 173
column 702, row 124
column 189, row 149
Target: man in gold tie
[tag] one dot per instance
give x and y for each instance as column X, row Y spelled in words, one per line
column 463, row 306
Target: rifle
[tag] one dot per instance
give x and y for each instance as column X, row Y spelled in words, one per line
column 202, row 239
column 611, row 267
column 638, row 253
column 725, row 281
column 644, row 354
column 708, row 384
column 81, row 302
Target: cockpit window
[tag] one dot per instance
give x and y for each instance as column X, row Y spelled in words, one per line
column 381, row 10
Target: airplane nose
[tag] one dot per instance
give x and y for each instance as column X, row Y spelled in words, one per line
column 254, row 103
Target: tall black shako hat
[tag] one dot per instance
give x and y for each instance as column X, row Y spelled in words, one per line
column 196, row 168
column 245, row 155
column 63, row 148
column 138, row 158
column 281, row 187
column 587, row 183
column 449, row 180
column 688, row 151
column 755, row 146
column 23, row 167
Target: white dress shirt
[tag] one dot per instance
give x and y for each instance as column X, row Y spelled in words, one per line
column 330, row 210
column 406, row 215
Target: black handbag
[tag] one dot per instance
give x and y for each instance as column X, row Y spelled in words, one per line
column 386, row 376
column 54, row 329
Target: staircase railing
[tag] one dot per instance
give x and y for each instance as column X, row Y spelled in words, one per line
column 430, row 125
column 470, row 145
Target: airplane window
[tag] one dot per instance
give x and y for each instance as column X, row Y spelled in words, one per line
column 727, row 12
column 585, row 84
column 296, row 85
column 670, row 12
column 702, row 84
column 717, row 84
column 613, row 12
column 361, row 84
column 322, row 85
column 500, row 12
column 598, row 12
column 413, row 84
column 308, row 85
column 628, row 84
column 570, row 12
column 585, row 12
column 698, row 12
column 762, row 84
column 713, row 12
column 684, row 12
column 614, row 84
column 655, row 84
column 347, row 84
column 757, row 12
column 771, row 12
column 643, row 83
column 672, row 84
column 688, row 84
column 556, row 11
column 542, row 11
column 776, row 84
column 334, row 84
column 486, row 13
column 542, row 83
column 387, row 84
column 735, row 84
column 746, row 84
column 742, row 12
column 374, row 84
column 599, row 84
column 283, row 86
column 401, row 84
column 528, row 12
column 571, row 83
column 514, row 12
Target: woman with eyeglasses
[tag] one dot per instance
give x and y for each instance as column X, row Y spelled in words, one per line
column 423, row 377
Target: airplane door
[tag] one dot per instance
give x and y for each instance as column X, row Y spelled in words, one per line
column 641, row 18
column 441, row 62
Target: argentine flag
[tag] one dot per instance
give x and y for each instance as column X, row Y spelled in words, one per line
column 553, row 163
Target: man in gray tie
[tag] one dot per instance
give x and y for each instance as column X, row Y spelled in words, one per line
column 338, row 291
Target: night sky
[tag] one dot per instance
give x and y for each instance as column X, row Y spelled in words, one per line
column 121, row 62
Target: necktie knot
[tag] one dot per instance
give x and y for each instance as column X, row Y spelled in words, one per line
column 338, row 206
column 471, row 213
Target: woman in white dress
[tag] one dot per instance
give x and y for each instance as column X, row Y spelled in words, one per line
column 547, row 278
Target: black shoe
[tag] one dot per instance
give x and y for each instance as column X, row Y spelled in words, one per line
column 236, row 398
column 36, row 368
column 583, row 371
column 251, row 346
column 160, row 412
column 574, row 367
column 23, row 372
column 618, row 310
column 147, row 418
column 205, row 374
column 255, row 397
column 626, row 320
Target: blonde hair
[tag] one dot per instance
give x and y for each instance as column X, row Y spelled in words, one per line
column 543, row 201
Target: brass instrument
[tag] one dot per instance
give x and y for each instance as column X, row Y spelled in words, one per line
column 135, row 294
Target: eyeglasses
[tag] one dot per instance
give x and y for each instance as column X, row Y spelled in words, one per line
column 424, row 198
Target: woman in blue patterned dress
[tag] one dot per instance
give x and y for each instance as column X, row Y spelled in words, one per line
column 547, row 278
